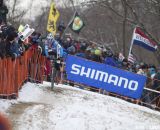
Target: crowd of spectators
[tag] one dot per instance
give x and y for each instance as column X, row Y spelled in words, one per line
column 12, row 46
column 99, row 53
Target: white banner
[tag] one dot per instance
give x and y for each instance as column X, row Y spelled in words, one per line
column 27, row 31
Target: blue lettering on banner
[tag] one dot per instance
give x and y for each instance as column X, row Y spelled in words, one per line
column 104, row 76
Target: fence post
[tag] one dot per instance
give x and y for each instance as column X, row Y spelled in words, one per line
column 52, row 73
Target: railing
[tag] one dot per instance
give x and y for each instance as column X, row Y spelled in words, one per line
column 150, row 97
column 13, row 73
column 31, row 65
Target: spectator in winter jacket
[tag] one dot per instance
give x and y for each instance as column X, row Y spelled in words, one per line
column 93, row 48
column 12, row 47
column 156, row 80
column 35, row 38
column 80, row 54
column 88, row 55
column 111, row 61
column 71, row 49
column 142, row 71
column 67, row 43
column 146, row 95
column 7, row 31
column 77, row 45
column 2, row 47
column 3, row 11
column 42, row 45
column 156, row 86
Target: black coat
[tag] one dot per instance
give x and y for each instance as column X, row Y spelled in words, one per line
column 2, row 49
column 3, row 12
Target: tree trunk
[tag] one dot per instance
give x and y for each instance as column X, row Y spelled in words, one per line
column 124, row 27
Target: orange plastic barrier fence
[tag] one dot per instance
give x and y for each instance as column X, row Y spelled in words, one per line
column 13, row 73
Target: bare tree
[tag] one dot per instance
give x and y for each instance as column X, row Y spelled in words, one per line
column 16, row 14
column 112, row 22
column 126, row 14
column 124, row 26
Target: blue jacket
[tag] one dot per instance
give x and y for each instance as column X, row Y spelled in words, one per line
column 111, row 61
column 14, row 48
column 55, row 47
column 82, row 55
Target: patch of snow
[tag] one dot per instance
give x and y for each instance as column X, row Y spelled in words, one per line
column 30, row 93
column 68, row 108
column 74, row 109
column 5, row 104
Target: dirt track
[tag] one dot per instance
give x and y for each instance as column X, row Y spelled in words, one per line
column 16, row 111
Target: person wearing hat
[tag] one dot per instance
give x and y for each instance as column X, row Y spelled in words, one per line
column 98, row 51
column 156, row 79
column 156, row 86
column 146, row 95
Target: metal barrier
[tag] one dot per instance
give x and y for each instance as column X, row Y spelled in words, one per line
column 150, row 97
column 152, row 101
column 15, row 72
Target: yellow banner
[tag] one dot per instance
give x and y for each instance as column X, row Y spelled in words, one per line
column 52, row 19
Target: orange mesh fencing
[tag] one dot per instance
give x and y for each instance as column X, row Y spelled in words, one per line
column 15, row 72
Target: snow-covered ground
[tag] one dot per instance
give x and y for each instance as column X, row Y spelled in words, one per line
column 67, row 108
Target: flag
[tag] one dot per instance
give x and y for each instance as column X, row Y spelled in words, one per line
column 52, row 19
column 139, row 38
column 131, row 58
column 77, row 23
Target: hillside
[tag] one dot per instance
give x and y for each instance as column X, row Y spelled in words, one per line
column 67, row 108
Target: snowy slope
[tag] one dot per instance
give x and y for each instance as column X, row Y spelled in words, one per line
column 5, row 104
column 67, row 108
